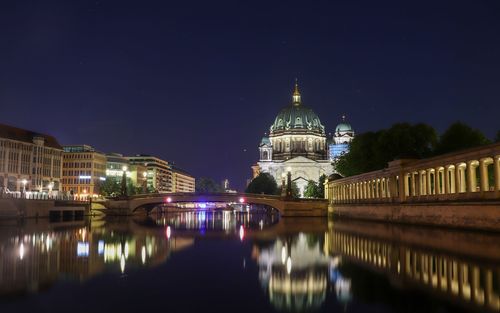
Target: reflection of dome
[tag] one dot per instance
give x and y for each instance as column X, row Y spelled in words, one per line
column 297, row 117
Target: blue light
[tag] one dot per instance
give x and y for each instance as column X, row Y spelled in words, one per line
column 202, row 205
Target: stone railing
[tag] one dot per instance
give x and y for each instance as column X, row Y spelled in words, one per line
column 472, row 174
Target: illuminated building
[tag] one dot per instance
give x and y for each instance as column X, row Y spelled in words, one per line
column 342, row 137
column 116, row 163
column 84, row 169
column 159, row 172
column 29, row 161
column 182, row 181
column 296, row 144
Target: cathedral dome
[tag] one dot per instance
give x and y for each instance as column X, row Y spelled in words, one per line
column 343, row 126
column 297, row 117
column 265, row 141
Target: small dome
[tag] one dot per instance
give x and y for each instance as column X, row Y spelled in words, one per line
column 343, row 127
column 265, row 141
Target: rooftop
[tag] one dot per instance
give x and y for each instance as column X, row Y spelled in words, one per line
column 24, row 135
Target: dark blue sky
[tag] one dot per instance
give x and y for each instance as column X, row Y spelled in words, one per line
column 198, row 82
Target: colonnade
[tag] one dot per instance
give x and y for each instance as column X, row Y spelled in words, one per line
column 472, row 174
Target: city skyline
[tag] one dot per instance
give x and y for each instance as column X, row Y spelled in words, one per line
column 198, row 87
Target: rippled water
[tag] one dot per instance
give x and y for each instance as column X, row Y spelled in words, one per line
column 242, row 262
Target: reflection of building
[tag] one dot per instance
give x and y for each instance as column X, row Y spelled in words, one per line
column 295, row 273
column 469, row 282
column 84, row 169
column 29, row 159
column 182, row 181
column 342, row 137
column 296, row 144
column 159, row 172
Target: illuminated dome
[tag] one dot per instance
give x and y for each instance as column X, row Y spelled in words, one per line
column 343, row 126
column 297, row 117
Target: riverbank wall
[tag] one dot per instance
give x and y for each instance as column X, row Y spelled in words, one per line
column 468, row 215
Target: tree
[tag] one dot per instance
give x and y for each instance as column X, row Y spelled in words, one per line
column 110, row 187
column 460, row 136
column 373, row 150
column 312, row 190
column 263, row 184
column 207, row 185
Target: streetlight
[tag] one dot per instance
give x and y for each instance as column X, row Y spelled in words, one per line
column 124, row 181
column 51, row 185
column 24, row 181
column 283, row 186
column 145, row 182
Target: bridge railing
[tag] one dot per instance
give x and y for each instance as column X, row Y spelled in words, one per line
column 468, row 175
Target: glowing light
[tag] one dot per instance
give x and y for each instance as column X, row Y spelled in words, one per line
column 242, row 200
column 145, row 174
column 82, row 249
column 143, row 254
column 84, row 177
column 289, row 169
column 202, row 205
column 168, row 232
column 169, row 199
column 24, row 181
column 21, row 251
column 126, row 250
column 283, row 255
column 122, row 263
column 100, row 247
column 124, row 168
column 85, row 191
column 242, row 232
column 289, row 265
column 102, row 178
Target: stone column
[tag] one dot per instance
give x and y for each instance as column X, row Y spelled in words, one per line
column 483, row 174
column 429, row 182
column 446, row 180
column 438, row 188
column 406, row 186
column 471, row 173
column 459, row 178
column 496, row 164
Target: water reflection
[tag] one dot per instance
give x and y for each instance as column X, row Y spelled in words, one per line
column 298, row 265
column 296, row 273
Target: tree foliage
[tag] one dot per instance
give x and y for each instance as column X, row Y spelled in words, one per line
column 315, row 190
column 373, row 150
column 208, row 185
column 460, row 136
column 263, row 184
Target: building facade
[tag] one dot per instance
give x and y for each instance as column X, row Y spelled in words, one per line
column 182, row 181
column 159, row 172
column 341, row 139
column 84, row 169
column 29, row 161
column 297, row 144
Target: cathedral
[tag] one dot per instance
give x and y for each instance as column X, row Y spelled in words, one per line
column 297, row 143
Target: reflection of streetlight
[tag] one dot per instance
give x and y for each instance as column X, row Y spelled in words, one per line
column 289, row 265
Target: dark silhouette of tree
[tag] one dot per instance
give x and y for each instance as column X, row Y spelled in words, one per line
column 207, row 185
column 497, row 138
column 263, row 184
column 460, row 136
column 373, row 150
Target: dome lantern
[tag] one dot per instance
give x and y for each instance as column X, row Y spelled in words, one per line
column 296, row 94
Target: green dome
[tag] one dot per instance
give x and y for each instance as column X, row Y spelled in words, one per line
column 297, row 117
column 343, row 127
column 265, row 141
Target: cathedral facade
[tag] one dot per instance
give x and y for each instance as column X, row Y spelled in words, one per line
column 297, row 143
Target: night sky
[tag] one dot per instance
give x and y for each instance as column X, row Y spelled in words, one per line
column 199, row 82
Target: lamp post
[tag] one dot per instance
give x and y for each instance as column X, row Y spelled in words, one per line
column 24, row 182
column 289, row 183
column 124, row 181
column 51, row 185
column 283, row 186
column 145, row 182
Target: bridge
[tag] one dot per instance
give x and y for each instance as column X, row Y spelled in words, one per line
column 147, row 202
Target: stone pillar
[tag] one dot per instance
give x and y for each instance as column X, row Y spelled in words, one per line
column 429, row 182
column 438, row 187
column 471, row 177
column 459, row 178
column 483, row 174
column 446, row 180
column 423, row 183
column 406, row 186
column 496, row 165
